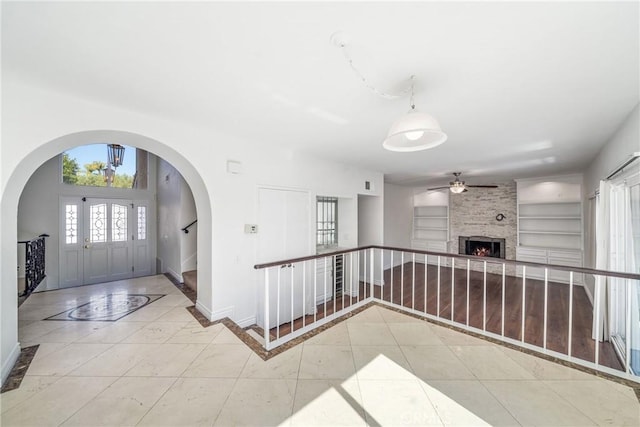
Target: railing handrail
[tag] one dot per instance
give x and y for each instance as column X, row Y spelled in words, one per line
column 34, row 239
column 622, row 275
column 186, row 227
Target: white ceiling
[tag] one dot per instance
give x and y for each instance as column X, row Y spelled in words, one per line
column 521, row 89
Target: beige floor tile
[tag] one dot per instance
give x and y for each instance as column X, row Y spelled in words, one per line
column 72, row 331
column 451, row 337
column 391, row 316
column 258, row 402
column 370, row 315
column 148, row 313
column 190, row 402
column 124, row 402
column 370, row 334
column 55, row 403
column 285, row 365
column 397, row 403
column 226, row 337
column 335, row 335
column 28, row 388
column 116, row 361
column 599, row 401
column 155, row 332
column 466, row 403
column 544, row 369
column 168, row 360
column 328, row 403
column 219, row 361
column 381, row 363
column 176, row 314
column 414, row 334
column 534, row 403
column 66, row 359
column 194, row 333
column 326, row 362
column 174, row 301
column 488, row 362
column 44, row 349
column 37, row 329
column 113, row 333
column 436, row 363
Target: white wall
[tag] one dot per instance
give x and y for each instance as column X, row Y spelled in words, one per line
column 38, row 124
column 176, row 209
column 398, row 219
column 38, row 209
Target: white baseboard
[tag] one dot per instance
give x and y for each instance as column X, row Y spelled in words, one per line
column 11, row 361
column 243, row 323
column 204, row 310
column 220, row 314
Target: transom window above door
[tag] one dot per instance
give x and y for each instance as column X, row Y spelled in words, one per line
column 105, row 165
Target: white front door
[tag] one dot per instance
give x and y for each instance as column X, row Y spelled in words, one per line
column 103, row 240
column 283, row 232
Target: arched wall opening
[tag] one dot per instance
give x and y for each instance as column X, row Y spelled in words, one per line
column 16, row 182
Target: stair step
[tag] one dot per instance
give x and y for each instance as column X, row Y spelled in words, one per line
column 190, row 279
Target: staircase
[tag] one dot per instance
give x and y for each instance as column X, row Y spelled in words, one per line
column 190, row 279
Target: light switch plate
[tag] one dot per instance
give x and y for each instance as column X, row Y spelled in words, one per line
column 250, row 228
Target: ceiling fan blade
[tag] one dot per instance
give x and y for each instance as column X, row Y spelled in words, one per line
column 437, row 188
column 483, row 186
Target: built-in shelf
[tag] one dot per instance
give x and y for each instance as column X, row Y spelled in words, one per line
column 431, row 228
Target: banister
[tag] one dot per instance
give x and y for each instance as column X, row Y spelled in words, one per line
column 186, row 228
column 622, row 275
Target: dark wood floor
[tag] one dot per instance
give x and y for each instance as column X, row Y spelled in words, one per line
column 412, row 295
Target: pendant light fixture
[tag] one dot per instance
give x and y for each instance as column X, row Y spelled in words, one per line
column 415, row 131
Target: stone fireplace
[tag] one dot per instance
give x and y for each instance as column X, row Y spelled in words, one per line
column 482, row 246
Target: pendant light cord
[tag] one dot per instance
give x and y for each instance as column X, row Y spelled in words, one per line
column 370, row 86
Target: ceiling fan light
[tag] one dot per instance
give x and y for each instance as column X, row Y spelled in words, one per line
column 457, row 187
column 414, row 132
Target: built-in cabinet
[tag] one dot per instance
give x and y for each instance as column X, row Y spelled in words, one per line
column 550, row 224
column 431, row 222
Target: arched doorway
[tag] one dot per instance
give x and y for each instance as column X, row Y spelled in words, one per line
column 9, row 208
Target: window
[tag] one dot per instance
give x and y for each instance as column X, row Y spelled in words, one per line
column 327, row 221
column 87, row 165
column 71, row 224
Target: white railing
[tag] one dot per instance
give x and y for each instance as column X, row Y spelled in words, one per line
column 540, row 307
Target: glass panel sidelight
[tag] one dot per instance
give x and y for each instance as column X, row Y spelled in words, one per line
column 142, row 222
column 71, row 224
column 98, row 223
column 118, row 223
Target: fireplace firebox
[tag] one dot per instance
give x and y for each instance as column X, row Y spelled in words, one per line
column 482, row 246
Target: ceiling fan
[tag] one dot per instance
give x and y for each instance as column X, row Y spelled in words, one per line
column 456, row 186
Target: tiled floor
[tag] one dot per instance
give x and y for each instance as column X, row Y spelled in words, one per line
column 159, row 367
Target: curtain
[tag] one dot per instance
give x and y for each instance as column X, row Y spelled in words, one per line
column 601, row 313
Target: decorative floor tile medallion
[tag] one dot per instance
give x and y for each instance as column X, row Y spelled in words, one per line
column 108, row 308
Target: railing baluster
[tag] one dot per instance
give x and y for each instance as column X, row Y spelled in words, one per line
column 504, row 281
column 293, row 289
column 364, row 282
column 324, row 285
column 335, row 280
column 524, row 295
column 392, row 284
column 413, row 284
column 570, row 312
column 438, row 291
column 402, row 279
column 382, row 285
column 628, row 333
column 278, row 307
column 304, row 293
column 266, row 308
column 597, row 320
column 484, row 297
column 315, row 290
column 468, row 287
column 371, row 267
column 453, row 285
column 546, row 300
column 426, row 282
column 350, row 279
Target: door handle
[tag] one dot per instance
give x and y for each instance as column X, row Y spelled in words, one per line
column 87, row 246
